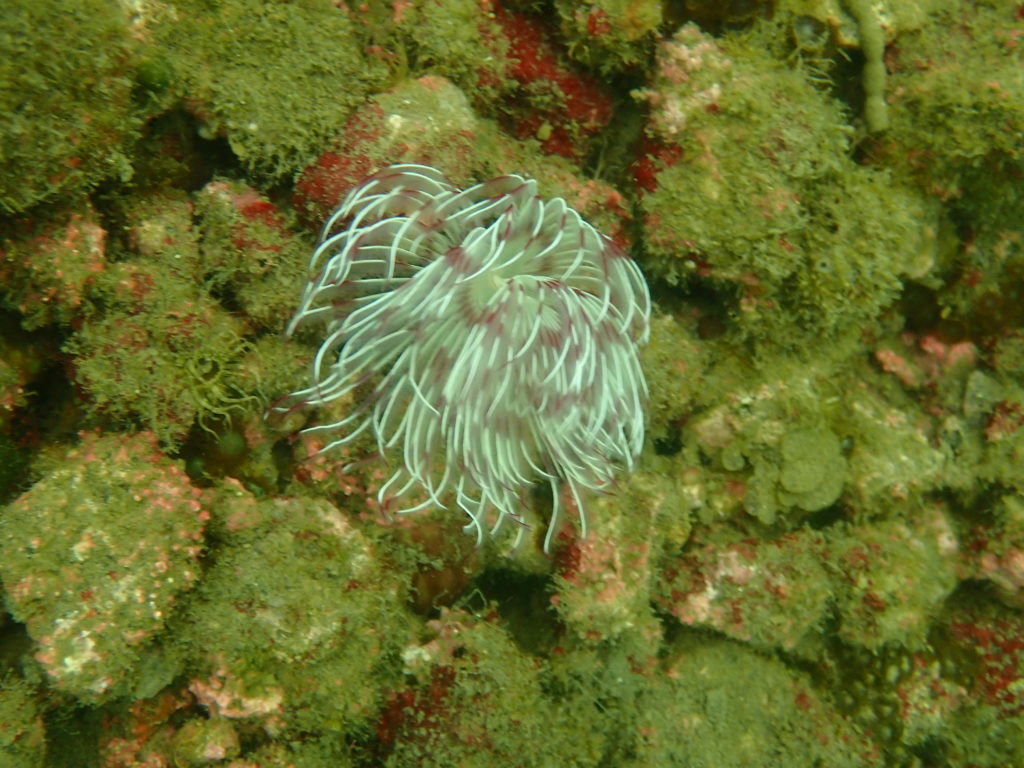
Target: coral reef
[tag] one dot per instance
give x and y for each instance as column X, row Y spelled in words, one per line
column 818, row 558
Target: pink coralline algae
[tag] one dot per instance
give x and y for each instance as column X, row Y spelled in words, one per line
column 501, row 330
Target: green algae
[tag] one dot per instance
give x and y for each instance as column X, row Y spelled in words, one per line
column 250, row 255
column 673, row 361
column 459, row 40
column 67, row 117
column 764, row 201
column 609, row 35
column 477, row 701
column 776, row 436
column 771, row 594
column 722, row 704
column 276, row 81
column 94, row 555
column 48, row 265
column 310, row 640
column 813, row 468
column 22, row 736
column 148, row 368
column 198, row 740
column 899, row 574
column 153, row 345
column 957, row 110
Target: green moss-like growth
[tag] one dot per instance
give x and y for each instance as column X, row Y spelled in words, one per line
column 759, row 199
column 295, row 624
column 609, row 35
column 276, row 80
column 982, row 737
column 892, row 458
column 478, row 702
column 957, row 117
column 458, row 39
column 721, row 704
column 996, row 404
column 673, row 362
column 167, row 367
column 66, row 113
column 249, row 253
column 320, row 751
column 603, row 590
column 160, row 228
column 22, row 739
column 94, row 556
column 957, row 110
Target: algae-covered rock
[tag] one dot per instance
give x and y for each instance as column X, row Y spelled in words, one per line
column 67, row 118
column 771, row 594
column 48, row 266
column 459, row 40
column 296, row 620
column 997, row 549
column 775, row 436
column 892, row 460
column 957, row 94
column 673, row 362
column 94, row 556
column 165, row 367
column 603, row 585
column 983, row 649
column 609, row 35
column 723, row 705
column 892, row 577
column 276, row 80
column 756, row 195
column 205, row 741
column 476, row 701
column 249, row 251
column 427, row 120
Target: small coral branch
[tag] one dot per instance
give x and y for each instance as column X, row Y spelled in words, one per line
column 872, row 45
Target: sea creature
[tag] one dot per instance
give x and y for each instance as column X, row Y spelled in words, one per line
column 492, row 335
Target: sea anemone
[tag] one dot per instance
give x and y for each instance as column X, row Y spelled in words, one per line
column 493, row 336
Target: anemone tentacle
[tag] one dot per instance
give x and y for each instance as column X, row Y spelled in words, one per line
column 502, row 331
